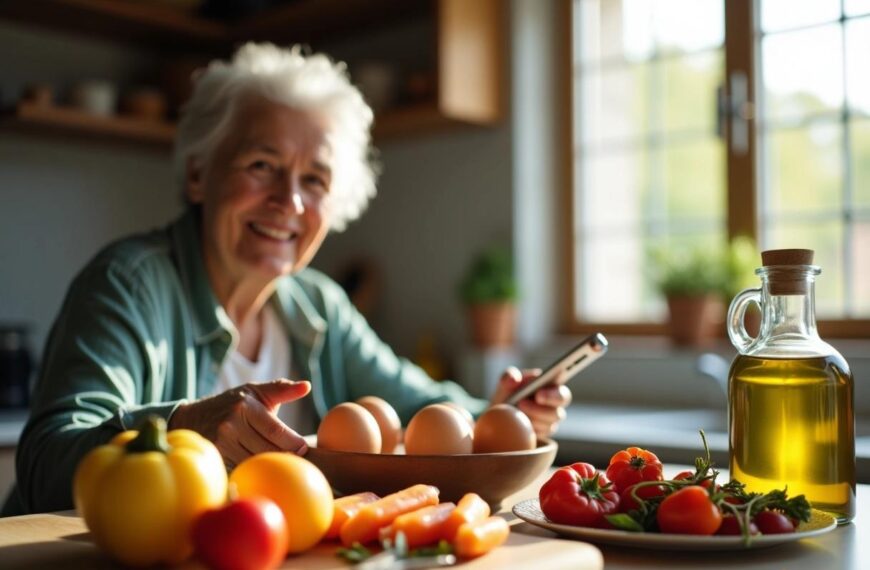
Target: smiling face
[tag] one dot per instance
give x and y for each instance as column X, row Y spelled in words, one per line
column 264, row 195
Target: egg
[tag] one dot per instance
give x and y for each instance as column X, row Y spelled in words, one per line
column 438, row 430
column 388, row 421
column 465, row 413
column 349, row 427
column 503, row 428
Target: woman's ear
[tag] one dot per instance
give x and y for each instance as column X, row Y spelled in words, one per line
column 194, row 188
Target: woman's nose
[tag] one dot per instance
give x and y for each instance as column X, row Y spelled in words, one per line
column 289, row 194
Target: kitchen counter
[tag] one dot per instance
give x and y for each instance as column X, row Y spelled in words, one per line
column 593, row 432
column 61, row 540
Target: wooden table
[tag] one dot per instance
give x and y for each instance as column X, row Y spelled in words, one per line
column 60, row 540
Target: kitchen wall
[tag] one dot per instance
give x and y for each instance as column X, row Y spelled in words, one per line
column 441, row 198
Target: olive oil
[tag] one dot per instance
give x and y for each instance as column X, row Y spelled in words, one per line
column 791, row 416
column 792, row 425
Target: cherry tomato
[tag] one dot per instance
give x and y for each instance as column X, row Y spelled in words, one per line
column 578, row 495
column 689, row 511
column 627, row 502
column 633, row 465
column 682, row 475
column 772, row 522
column 731, row 526
column 246, row 534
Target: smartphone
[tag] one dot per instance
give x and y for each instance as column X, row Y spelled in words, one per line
column 575, row 360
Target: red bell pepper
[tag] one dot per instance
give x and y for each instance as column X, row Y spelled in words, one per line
column 578, row 495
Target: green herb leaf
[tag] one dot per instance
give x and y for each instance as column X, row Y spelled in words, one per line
column 356, row 553
column 624, row 522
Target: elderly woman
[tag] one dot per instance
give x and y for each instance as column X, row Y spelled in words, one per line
column 272, row 153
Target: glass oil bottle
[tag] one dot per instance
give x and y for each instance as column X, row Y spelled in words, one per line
column 791, row 420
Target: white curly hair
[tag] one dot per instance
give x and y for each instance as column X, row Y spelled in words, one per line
column 305, row 82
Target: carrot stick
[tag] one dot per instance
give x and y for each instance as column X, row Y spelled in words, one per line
column 421, row 527
column 470, row 508
column 346, row 507
column 476, row 538
column 363, row 527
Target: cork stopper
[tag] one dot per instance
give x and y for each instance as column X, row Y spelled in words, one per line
column 788, row 278
column 787, row 257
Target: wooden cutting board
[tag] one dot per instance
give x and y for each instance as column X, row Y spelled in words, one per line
column 61, row 540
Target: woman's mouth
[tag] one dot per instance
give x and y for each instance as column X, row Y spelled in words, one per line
column 273, row 233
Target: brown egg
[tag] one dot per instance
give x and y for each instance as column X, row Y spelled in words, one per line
column 465, row 413
column 388, row 421
column 349, row 427
column 438, row 430
column 503, row 428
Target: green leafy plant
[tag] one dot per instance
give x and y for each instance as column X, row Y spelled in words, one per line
column 691, row 271
column 490, row 278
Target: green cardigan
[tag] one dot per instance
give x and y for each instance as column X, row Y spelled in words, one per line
column 140, row 332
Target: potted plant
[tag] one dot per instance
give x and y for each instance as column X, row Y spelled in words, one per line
column 489, row 291
column 692, row 281
column 698, row 283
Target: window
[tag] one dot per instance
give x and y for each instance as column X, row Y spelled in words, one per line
column 652, row 166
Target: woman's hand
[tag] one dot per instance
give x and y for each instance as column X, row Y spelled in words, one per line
column 546, row 407
column 242, row 421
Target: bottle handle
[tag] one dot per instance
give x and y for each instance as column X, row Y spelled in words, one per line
column 736, row 311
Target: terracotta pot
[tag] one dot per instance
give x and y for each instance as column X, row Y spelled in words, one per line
column 695, row 320
column 492, row 324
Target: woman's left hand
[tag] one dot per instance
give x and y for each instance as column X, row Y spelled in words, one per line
column 546, row 407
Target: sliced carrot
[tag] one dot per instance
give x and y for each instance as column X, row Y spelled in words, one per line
column 477, row 538
column 420, row 527
column 363, row 527
column 346, row 507
column 470, row 508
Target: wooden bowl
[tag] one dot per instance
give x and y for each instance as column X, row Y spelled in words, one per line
column 493, row 476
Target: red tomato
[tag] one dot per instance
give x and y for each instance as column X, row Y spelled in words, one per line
column 578, row 495
column 689, row 511
column 633, row 465
column 731, row 526
column 706, row 483
column 772, row 522
column 627, row 502
column 246, row 534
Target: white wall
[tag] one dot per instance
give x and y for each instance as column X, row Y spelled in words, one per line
column 442, row 197
column 61, row 199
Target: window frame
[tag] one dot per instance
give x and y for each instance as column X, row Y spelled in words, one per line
column 742, row 216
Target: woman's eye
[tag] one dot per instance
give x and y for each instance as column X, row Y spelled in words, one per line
column 261, row 166
column 316, row 182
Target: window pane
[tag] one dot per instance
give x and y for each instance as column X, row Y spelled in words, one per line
column 784, row 14
column 612, row 288
column 683, row 26
column 802, row 73
column 861, row 269
column 857, row 78
column 614, row 105
column 613, row 31
column 694, row 180
column 804, row 169
column 689, row 91
column 860, row 154
column 610, row 178
column 857, row 7
column 826, row 238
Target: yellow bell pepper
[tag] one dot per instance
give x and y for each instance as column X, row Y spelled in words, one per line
column 140, row 493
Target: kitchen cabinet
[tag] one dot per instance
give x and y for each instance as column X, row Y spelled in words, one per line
column 464, row 80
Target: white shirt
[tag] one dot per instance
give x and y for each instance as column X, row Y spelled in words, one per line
column 272, row 362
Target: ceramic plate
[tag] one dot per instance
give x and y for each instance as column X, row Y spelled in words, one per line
column 530, row 511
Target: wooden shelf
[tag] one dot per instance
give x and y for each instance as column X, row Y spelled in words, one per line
column 130, row 22
column 315, row 20
column 469, row 52
column 27, row 117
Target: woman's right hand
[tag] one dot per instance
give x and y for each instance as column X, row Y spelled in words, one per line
column 243, row 421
